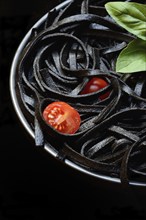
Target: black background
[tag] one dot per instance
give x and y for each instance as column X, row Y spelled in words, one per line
column 33, row 185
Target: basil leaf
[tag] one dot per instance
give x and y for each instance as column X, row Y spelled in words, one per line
column 129, row 15
column 132, row 58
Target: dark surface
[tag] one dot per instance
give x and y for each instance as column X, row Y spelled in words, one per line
column 32, row 184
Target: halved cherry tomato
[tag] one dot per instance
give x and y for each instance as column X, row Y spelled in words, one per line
column 94, row 85
column 63, row 117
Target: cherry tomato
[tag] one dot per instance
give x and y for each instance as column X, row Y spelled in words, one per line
column 94, row 85
column 63, row 117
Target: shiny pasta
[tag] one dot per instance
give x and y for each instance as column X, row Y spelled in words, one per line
column 72, row 46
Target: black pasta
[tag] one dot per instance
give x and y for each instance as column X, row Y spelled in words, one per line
column 76, row 43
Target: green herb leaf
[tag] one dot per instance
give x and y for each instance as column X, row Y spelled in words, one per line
column 129, row 15
column 132, row 58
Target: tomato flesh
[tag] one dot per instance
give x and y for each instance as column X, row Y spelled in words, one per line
column 94, row 85
column 63, row 117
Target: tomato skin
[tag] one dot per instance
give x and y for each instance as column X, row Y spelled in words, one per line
column 63, row 117
column 94, row 85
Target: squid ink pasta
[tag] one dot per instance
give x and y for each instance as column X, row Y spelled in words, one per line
column 73, row 48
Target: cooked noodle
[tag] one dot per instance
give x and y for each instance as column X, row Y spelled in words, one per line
column 76, row 43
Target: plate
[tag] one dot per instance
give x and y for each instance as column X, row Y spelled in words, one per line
column 26, row 125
